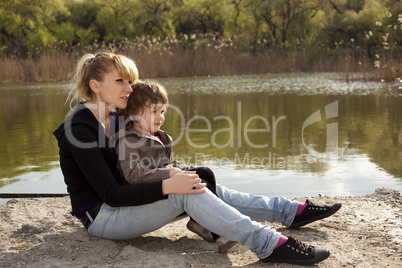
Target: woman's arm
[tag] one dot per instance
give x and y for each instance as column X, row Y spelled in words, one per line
column 97, row 173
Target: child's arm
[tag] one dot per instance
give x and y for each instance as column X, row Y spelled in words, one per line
column 136, row 173
column 133, row 168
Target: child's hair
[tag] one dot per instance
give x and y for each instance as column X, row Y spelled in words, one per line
column 95, row 67
column 144, row 93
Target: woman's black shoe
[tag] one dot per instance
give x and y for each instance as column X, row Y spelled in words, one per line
column 313, row 213
column 295, row 252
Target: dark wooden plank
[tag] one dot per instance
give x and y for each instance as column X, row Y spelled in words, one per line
column 29, row 195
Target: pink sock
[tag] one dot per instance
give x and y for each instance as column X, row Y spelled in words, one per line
column 282, row 239
column 300, row 208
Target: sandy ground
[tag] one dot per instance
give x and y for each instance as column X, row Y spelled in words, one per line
column 366, row 232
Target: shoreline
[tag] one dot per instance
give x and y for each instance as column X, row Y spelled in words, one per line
column 22, row 196
column 365, row 232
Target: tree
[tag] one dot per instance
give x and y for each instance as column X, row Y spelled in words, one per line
column 352, row 23
column 26, row 24
column 116, row 18
column 287, row 20
column 156, row 18
column 201, row 16
column 83, row 19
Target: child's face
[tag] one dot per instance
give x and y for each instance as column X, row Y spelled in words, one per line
column 152, row 118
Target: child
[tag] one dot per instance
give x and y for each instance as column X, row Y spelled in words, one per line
column 145, row 150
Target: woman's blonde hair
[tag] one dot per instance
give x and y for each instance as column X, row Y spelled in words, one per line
column 92, row 66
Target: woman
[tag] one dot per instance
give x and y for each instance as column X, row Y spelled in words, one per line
column 109, row 209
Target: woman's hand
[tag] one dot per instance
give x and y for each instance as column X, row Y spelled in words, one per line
column 174, row 171
column 186, row 182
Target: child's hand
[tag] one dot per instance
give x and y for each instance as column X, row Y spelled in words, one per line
column 173, row 171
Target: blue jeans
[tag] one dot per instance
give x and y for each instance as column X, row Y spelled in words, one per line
column 229, row 216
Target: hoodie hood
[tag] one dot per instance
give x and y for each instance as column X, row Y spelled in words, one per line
column 81, row 115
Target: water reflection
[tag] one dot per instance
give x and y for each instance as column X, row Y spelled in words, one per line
column 250, row 131
column 28, row 114
column 368, row 124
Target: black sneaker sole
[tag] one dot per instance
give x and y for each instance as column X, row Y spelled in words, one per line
column 318, row 258
column 334, row 209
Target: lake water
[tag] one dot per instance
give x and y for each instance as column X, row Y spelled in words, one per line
column 274, row 134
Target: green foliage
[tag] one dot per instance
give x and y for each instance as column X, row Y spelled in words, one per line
column 256, row 26
column 154, row 18
column 201, row 16
column 26, row 25
column 113, row 17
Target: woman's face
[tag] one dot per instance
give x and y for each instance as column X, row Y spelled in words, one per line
column 114, row 90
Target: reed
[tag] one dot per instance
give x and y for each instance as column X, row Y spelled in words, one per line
column 194, row 55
